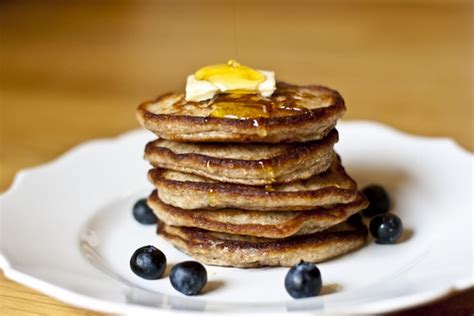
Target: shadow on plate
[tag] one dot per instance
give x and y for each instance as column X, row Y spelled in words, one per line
column 330, row 288
column 212, row 286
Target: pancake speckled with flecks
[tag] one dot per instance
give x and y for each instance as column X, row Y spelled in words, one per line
column 253, row 164
column 247, row 251
column 256, row 223
column 193, row 192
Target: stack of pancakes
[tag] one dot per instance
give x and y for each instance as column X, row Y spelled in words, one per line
column 247, row 181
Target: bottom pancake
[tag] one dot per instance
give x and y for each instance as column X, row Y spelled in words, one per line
column 240, row 251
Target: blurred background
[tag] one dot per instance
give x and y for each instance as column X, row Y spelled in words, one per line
column 76, row 70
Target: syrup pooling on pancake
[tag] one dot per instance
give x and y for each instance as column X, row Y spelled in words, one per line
column 237, row 106
column 287, row 100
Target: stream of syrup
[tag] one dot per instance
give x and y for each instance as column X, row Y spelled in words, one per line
column 236, row 51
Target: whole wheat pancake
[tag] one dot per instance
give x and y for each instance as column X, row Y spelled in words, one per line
column 292, row 114
column 246, row 251
column 253, row 164
column 256, row 223
column 194, row 192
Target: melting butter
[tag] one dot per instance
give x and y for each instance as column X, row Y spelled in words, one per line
column 228, row 78
column 231, row 76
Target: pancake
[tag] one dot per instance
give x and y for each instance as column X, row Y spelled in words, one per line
column 247, row 252
column 193, row 192
column 292, row 114
column 256, row 223
column 252, row 164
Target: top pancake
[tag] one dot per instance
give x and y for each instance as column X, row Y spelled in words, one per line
column 292, row 114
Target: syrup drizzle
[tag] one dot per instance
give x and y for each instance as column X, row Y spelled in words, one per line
column 212, row 197
column 269, row 188
column 268, row 172
column 236, row 52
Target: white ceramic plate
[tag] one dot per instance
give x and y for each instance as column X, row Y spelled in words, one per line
column 67, row 231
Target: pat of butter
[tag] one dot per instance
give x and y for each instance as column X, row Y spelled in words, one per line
column 227, row 79
column 199, row 90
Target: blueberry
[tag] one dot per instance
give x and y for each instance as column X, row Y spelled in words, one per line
column 303, row 280
column 386, row 228
column 188, row 277
column 143, row 213
column 148, row 262
column 379, row 201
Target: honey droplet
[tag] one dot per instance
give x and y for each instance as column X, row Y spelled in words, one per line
column 269, row 188
column 268, row 172
column 233, row 63
column 261, row 129
column 212, row 197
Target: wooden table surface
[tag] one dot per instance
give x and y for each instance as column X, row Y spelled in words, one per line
column 74, row 71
